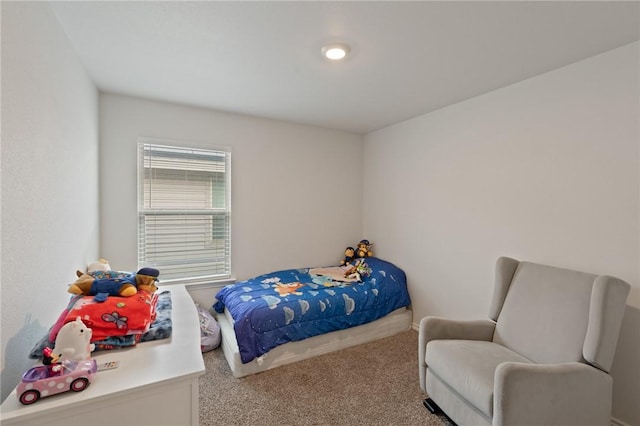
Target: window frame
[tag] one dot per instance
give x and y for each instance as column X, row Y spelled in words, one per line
column 183, row 149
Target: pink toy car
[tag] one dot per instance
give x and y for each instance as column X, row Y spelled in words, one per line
column 40, row 381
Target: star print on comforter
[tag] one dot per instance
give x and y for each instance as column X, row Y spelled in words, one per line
column 293, row 304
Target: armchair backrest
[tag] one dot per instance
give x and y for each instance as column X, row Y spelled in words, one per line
column 553, row 315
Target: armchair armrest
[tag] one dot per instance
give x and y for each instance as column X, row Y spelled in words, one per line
column 533, row 394
column 435, row 328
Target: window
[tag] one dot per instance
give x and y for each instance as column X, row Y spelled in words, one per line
column 184, row 212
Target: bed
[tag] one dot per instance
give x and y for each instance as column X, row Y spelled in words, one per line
column 286, row 316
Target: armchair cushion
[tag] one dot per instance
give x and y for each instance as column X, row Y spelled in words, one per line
column 433, row 328
column 545, row 313
column 479, row 359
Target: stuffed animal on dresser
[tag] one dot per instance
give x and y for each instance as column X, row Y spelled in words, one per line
column 101, row 288
column 73, row 342
column 102, row 283
column 146, row 279
column 99, row 265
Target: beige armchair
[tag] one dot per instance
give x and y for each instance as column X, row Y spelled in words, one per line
column 542, row 357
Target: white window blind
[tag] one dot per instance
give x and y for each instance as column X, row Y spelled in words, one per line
column 184, row 212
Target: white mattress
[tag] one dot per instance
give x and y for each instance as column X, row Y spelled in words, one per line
column 396, row 322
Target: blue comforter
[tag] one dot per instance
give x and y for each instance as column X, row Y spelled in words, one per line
column 291, row 305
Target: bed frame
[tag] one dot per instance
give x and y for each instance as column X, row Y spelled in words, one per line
column 393, row 323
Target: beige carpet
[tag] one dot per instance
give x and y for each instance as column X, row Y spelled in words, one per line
column 371, row 384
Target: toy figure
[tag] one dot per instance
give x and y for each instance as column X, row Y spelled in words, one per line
column 101, row 288
column 358, row 270
column 37, row 382
column 125, row 285
column 349, row 254
column 364, row 249
column 50, row 359
column 101, row 265
column 146, row 279
column 73, row 342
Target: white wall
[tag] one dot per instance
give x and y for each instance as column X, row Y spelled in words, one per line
column 296, row 196
column 545, row 170
column 49, row 178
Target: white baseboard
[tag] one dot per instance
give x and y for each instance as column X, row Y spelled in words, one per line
column 618, row 422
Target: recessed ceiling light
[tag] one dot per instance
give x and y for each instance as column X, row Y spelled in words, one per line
column 335, row 51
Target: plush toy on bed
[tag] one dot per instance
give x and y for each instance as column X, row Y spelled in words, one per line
column 364, row 249
column 349, row 254
column 358, row 270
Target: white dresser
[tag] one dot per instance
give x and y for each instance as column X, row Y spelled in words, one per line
column 155, row 384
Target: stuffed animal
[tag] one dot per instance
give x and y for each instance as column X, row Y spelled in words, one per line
column 146, row 279
column 73, row 342
column 101, row 269
column 358, row 270
column 349, row 254
column 101, row 288
column 100, row 265
column 364, row 249
column 102, row 284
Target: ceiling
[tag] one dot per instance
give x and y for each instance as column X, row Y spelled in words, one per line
column 263, row 58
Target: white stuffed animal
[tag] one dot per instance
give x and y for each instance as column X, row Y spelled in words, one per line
column 74, row 342
column 100, row 265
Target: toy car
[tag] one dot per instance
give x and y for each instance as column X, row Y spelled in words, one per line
column 42, row 381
